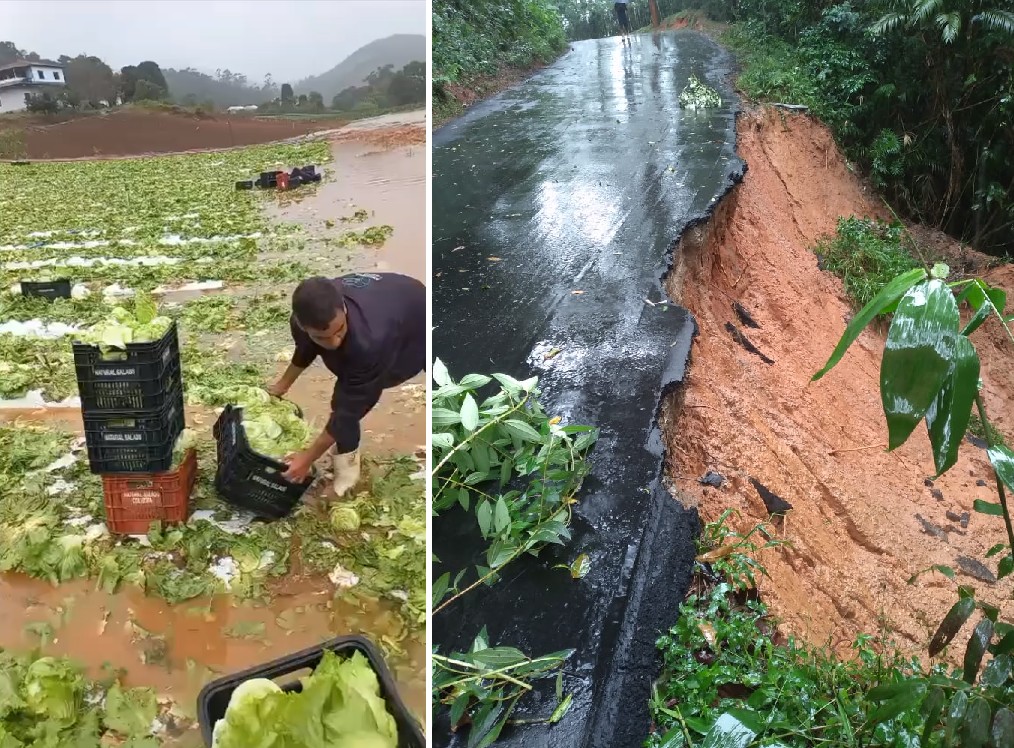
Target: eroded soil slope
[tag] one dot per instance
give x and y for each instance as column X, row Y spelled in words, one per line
column 863, row 520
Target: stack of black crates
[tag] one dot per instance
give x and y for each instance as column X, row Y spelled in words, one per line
column 132, row 405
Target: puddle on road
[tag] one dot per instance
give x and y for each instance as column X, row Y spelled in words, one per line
column 176, row 649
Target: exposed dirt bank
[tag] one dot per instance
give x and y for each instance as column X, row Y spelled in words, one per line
column 135, row 133
column 863, row 520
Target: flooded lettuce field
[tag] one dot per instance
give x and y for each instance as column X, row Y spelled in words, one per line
column 119, row 633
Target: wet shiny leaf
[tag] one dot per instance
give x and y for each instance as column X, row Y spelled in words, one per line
column 920, row 345
column 728, row 732
column 440, row 588
column 486, row 725
column 444, row 417
column 496, row 658
column 561, row 711
column 469, row 413
column 974, row 731
column 1002, row 732
column 952, row 622
column 996, row 673
column 948, row 415
column 484, row 513
column 976, row 648
column 890, row 294
column 522, row 430
column 901, row 700
column 581, row 566
column 1002, row 459
column 987, row 507
column 501, row 516
column 932, row 708
column 984, row 300
column 955, row 715
column 458, row 708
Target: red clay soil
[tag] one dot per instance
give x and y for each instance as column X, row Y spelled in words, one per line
column 137, row 133
column 863, row 520
column 386, row 138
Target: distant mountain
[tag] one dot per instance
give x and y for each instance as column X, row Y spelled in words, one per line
column 397, row 50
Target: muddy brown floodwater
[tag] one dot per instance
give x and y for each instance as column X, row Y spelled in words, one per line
column 176, row 649
column 863, row 520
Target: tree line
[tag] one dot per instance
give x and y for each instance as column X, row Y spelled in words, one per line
column 384, row 88
column 92, row 84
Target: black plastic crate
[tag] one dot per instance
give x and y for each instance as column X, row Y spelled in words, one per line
column 250, row 480
column 134, row 428
column 55, row 289
column 140, row 378
column 134, row 442
column 268, row 179
column 213, row 700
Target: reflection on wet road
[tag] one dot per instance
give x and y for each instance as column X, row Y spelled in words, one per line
column 555, row 206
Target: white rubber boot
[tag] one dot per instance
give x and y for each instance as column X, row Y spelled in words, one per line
column 346, row 472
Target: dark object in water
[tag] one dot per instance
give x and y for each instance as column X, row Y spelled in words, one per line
column 740, row 338
column 744, row 315
column 774, row 503
column 711, row 478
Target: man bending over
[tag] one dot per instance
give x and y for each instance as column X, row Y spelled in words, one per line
column 369, row 329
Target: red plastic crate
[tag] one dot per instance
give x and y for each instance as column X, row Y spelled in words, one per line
column 134, row 501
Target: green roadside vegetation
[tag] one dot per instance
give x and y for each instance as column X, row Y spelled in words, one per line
column 475, row 43
column 918, row 94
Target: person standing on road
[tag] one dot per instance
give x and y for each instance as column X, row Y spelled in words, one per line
column 621, row 16
column 369, row 329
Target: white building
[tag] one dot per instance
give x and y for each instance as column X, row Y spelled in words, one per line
column 21, row 78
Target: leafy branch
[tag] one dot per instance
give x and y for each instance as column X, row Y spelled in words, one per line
column 514, row 471
column 930, row 372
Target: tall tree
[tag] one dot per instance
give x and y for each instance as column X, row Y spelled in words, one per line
column 151, row 72
column 9, row 53
column 90, row 79
column 287, row 95
column 128, row 82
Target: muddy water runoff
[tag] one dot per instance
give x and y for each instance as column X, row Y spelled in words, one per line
column 176, row 649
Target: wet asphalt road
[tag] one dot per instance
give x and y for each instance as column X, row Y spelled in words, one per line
column 582, row 179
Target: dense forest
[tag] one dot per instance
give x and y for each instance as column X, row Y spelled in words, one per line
column 919, row 93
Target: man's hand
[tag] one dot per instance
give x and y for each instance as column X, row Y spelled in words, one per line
column 288, row 378
column 278, row 389
column 300, row 465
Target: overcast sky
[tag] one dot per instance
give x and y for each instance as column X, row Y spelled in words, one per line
column 291, row 39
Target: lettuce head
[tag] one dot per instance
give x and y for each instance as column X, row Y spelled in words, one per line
column 339, row 705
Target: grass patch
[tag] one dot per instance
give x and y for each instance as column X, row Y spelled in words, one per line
column 12, row 143
column 987, row 432
column 772, row 70
column 866, row 254
column 726, row 670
